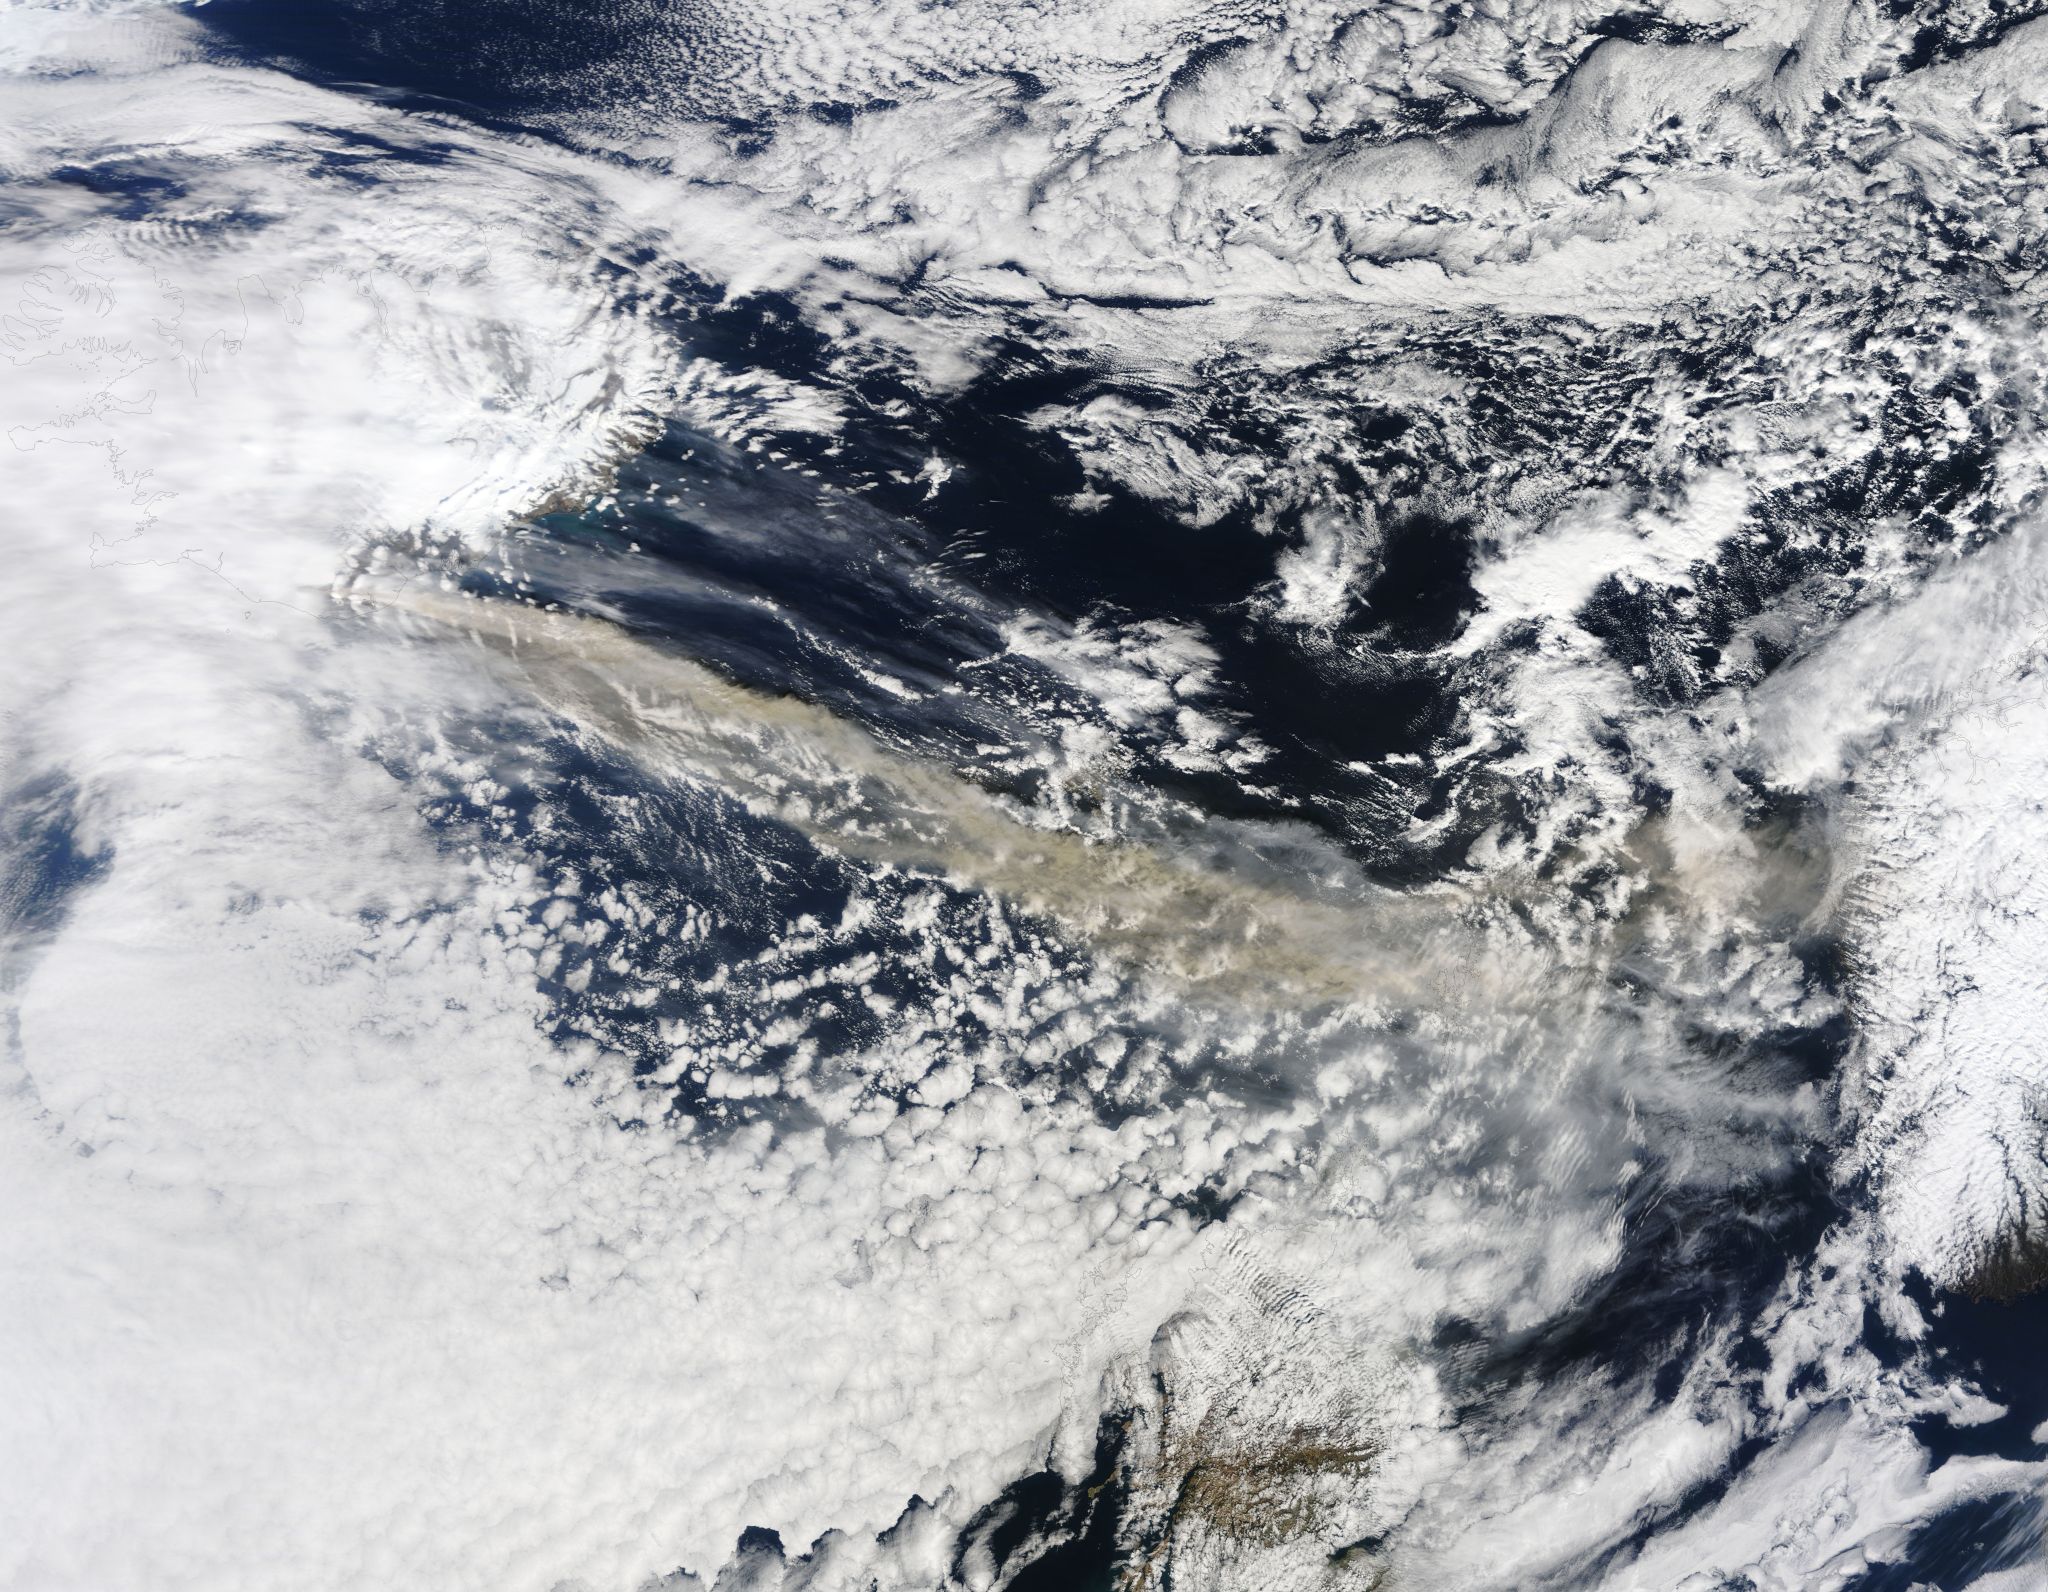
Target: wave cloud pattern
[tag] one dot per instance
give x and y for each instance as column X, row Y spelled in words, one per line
column 1156, row 794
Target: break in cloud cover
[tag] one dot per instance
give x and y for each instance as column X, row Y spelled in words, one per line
column 1023, row 795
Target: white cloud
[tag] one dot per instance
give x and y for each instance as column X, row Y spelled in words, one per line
column 333, row 1270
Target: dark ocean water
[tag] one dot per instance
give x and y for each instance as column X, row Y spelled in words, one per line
column 838, row 567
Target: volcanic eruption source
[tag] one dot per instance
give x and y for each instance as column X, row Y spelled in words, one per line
column 1064, row 795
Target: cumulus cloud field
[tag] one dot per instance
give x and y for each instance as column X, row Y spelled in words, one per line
column 874, row 797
